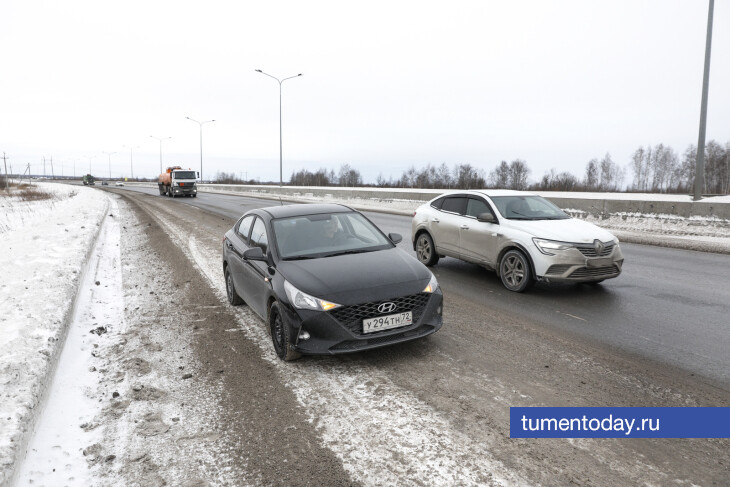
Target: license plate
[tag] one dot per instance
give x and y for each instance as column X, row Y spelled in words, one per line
column 387, row 322
column 599, row 262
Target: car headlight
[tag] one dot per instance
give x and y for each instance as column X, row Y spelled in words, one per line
column 302, row 300
column 433, row 285
column 547, row 247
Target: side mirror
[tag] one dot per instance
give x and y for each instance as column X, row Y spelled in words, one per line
column 254, row 253
column 396, row 238
column 486, row 217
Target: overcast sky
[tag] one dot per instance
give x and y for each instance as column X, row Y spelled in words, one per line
column 385, row 85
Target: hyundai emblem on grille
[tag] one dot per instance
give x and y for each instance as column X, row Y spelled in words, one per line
column 386, row 308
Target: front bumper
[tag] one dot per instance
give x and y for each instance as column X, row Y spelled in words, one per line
column 328, row 335
column 574, row 266
column 184, row 190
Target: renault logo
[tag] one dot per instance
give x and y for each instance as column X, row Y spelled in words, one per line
column 387, row 308
column 598, row 245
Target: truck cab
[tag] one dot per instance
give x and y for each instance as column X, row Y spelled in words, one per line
column 176, row 181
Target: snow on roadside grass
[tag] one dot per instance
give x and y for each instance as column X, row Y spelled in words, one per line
column 42, row 259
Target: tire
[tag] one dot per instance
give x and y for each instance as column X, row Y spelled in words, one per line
column 162, row 189
column 426, row 250
column 233, row 296
column 195, row 196
column 515, row 272
column 281, row 335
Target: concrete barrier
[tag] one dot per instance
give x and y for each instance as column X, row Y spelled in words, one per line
column 599, row 205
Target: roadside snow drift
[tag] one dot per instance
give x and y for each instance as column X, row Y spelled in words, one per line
column 37, row 293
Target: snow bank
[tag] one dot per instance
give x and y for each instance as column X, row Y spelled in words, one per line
column 43, row 249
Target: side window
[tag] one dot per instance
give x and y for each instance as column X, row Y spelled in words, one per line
column 455, row 205
column 258, row 235
column 437, row 204
column 477, row 206
column 244, row 228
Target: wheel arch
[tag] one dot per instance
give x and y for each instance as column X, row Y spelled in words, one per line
column 521, row 248
column 420, row 232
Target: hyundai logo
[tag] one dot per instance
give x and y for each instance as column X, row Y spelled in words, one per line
column 387, row 308
column 598, row 245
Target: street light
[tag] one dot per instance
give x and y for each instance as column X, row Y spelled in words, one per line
column 131, row 166
column 160, row 139
column 110, row 154
column 281, row 175
column 200, row 124
column 700, row 165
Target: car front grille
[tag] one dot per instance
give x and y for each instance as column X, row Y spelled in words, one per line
column 352, row 316
column 590, row 251
column 607, row 271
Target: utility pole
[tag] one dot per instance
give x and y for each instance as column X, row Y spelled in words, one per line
column 44, row 166
column 7, row 185
column 700, row 169
column 52, row 177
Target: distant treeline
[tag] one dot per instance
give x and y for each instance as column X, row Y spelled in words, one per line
column 657, row 169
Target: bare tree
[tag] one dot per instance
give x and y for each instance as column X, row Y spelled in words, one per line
column 590, row 180
column 611, row 176
column 518, row 174
column 499, row 177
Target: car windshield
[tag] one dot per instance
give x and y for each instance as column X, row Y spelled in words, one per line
column 326, row 235
column 518, row 207
column 184, row 174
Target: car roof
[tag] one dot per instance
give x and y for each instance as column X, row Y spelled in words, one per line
column 305, row 209
column 489, row 192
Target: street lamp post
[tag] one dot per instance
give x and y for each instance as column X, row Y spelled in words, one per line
column 200, row 124
column 160, row 139
column 700, row 165
column 131, row 164
column 110, row 154
column 281, row 170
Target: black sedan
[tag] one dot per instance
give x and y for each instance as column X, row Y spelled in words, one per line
column 326, row 280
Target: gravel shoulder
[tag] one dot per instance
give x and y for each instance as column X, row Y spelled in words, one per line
column 187, row 399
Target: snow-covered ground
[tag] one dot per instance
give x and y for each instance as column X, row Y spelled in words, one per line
column 44, row 249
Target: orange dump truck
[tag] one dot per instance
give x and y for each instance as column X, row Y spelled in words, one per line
column 176, row 181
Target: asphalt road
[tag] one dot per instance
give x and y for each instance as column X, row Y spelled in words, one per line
column 433, row 411
column 669, row 305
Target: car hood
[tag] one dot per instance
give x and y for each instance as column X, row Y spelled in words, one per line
column 568, row 230
column 358, row 278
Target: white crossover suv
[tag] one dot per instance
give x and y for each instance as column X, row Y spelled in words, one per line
column 521, row 236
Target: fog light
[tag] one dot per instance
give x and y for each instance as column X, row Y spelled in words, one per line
column 304, row 335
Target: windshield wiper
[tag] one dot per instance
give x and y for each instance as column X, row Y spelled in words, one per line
column 347, row 252
column 300, row 257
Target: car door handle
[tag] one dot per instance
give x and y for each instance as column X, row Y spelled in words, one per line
column 435, row 220
column 464, row 227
